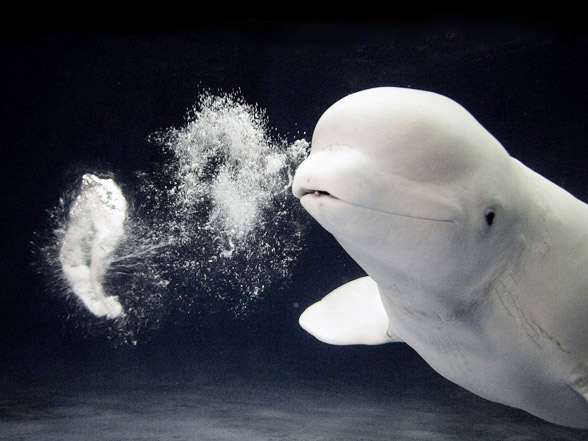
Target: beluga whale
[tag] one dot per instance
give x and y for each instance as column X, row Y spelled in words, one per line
column 474, row 260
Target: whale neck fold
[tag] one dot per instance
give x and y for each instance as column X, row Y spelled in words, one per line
column 444, row 305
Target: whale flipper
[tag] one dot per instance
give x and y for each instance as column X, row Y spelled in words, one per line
column 351, row 314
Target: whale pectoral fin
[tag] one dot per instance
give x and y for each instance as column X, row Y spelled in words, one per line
column 351, row 314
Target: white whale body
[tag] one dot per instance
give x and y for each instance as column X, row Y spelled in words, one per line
column 474, row 260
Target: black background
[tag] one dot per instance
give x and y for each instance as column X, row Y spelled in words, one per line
column 75, row 98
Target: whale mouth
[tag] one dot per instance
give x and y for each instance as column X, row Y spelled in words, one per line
column 320, row 195
column 317, row 193
column 326, row 194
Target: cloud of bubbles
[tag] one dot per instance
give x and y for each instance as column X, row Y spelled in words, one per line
column 213, row 226
column 95, row 227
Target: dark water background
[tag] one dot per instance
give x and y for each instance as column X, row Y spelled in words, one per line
column 78, row 99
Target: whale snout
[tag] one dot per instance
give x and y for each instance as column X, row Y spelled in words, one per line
column 333, row 170
column 300, row 186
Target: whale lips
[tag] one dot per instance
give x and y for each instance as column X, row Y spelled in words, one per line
column 317, row 193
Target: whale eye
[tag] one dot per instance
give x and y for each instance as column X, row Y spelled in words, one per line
column 490, row 217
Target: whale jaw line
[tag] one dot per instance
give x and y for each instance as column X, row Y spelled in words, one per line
column 324, row 197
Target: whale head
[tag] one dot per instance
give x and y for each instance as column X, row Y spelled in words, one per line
column 410, row 184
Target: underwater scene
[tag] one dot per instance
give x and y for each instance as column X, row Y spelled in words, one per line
column 177, row 203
